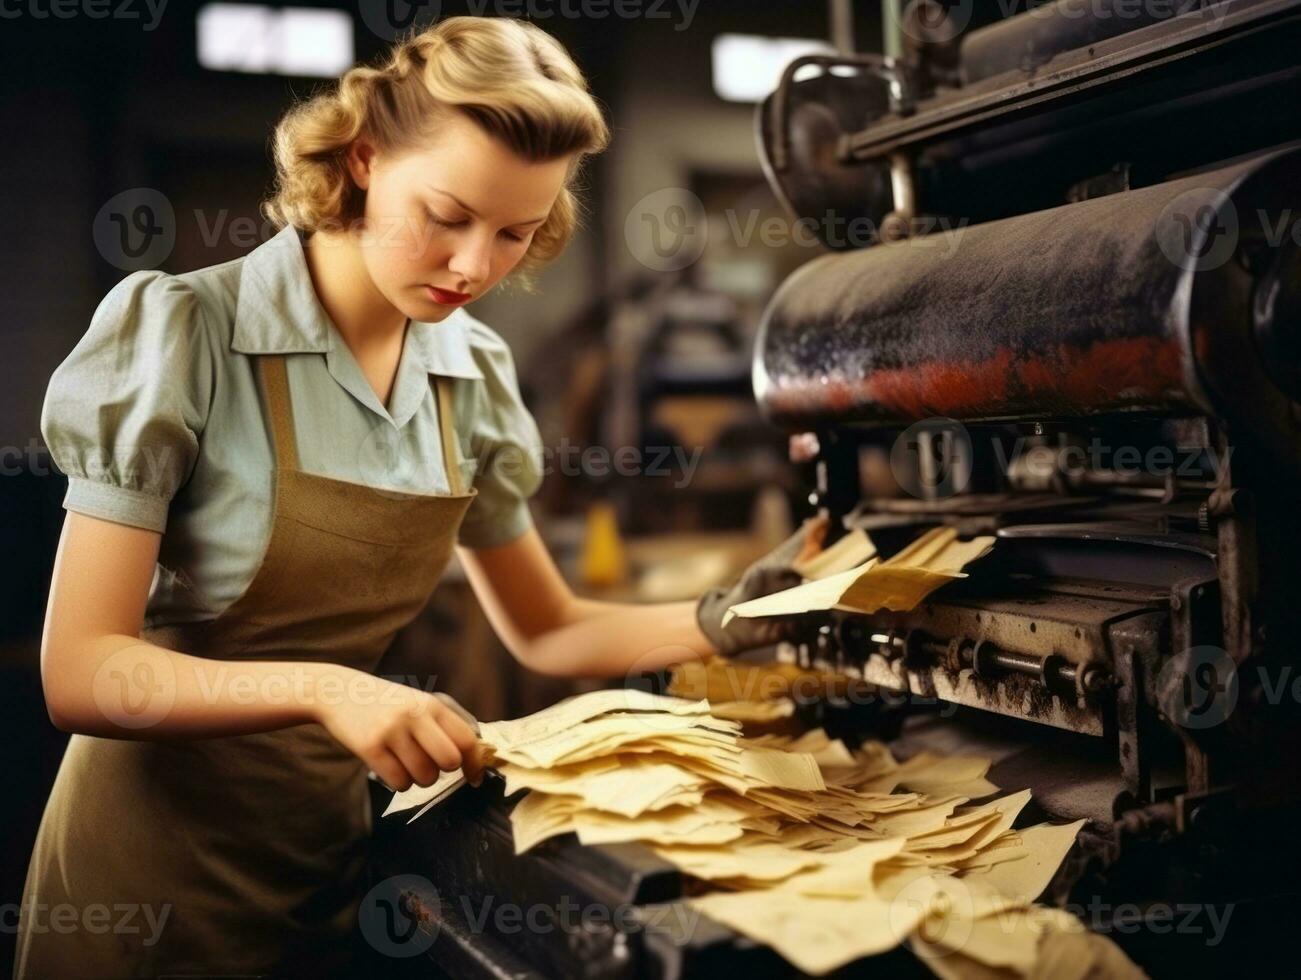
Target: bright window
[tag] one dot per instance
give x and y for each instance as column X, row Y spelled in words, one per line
column 274, row 40
column 747, row 67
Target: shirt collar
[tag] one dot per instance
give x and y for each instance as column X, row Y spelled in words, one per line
column 445, row 347
column 278, row 312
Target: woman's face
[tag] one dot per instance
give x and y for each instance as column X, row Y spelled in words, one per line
column 452, row 219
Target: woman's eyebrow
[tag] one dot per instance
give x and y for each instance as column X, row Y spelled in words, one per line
column 465, row 207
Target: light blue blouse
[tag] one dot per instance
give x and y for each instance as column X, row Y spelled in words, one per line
column 155, row 417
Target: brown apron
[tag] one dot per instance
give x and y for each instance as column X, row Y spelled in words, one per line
column 251, row 846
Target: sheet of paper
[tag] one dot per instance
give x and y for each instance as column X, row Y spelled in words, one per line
column 446, row 784
column 537, row 817
column 756, row 861
column 629, row 790
column 522, row 777
column 810, row 741
column 1023, row 941
column 895, row 588
column 827, row 752
column 600, row 736
column 975, row 827
column 939, row 550
column 949, row 842
column 1046, row 847
column 908, row 823
column 849, row 552
column 782, row 770
column 847, row 873
column 898, row 584
column 1007, row 939
column 575, row 710
column 753, row 711
column 931, row 774
column 709, row 823
column 1008, row 847
column 816, row 935
column 1074, row 954
column 825, row 593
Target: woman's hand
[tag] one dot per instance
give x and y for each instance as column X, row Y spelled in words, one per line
column 771, row 573
column 406, row 736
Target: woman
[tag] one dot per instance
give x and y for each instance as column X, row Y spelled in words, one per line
column 241, row 545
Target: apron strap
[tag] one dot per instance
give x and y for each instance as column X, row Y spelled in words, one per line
column 275, row 381
column 447, row 429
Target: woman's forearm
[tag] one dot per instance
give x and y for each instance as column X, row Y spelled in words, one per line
column 608, row 639
column 118, row 686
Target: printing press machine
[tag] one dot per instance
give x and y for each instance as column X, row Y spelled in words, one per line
column 1074, row 324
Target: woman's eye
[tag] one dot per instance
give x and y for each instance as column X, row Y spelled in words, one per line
column 442, row 222
column 445, row 223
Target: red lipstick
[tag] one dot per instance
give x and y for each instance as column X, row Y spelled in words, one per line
column 446, row 297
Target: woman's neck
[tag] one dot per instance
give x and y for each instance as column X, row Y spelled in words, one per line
column 360, row 312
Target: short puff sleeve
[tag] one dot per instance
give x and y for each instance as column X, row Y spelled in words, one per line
column 505, row 446
column 123, row 413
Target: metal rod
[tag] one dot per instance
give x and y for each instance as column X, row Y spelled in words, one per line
column 892, row 28
column 841, row 14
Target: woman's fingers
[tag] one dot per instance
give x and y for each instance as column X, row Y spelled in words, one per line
column 435, row 741
column 415, row 758
column 432, row 736
column 463, row 736
column 387, row 767
column 448, row 701
column 472, row 764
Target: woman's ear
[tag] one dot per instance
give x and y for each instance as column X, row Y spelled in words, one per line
column 361, row 158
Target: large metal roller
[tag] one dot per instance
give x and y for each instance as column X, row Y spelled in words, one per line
column 1174, row 299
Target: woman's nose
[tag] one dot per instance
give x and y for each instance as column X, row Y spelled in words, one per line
column 471, row 262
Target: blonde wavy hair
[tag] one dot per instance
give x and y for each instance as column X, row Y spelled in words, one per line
column 512, row 78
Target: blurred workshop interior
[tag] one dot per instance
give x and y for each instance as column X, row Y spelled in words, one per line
column 628, row 342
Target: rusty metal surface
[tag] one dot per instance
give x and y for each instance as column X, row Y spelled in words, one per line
column 1070, row 312
column 466, row 847
column 1027, row 42
column 1036, row 647
column 1071, row 626
column 1075, row 632
column 1014, row 696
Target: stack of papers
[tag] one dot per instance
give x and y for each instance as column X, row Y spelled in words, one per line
column 899, row 583
column 823, row 852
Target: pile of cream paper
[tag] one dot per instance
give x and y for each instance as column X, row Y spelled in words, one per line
column 823, row 853
column 899, row 583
